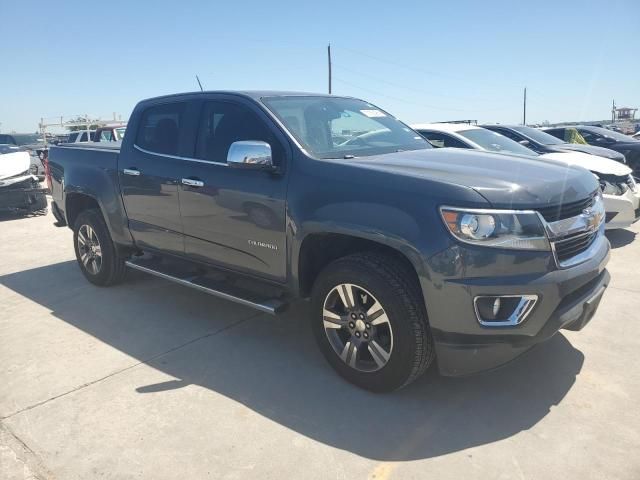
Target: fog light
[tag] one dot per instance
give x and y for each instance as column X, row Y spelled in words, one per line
column 496, row 306
column 503, row 310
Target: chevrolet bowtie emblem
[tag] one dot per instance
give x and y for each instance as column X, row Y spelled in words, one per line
column 591, row 218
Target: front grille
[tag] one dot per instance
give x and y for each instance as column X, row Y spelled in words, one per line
column 565, row 210
column 573, row 245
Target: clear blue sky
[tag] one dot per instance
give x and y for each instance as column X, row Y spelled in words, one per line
column 427, row 62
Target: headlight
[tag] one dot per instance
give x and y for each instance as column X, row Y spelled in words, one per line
column 514, row 229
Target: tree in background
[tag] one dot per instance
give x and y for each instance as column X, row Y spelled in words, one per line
column 80, row 120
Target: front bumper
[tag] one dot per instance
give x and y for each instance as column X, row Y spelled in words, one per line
column 567, row 299
column 622, row 210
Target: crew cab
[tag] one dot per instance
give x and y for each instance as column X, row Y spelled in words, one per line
column 406, row 253
column 620, row 193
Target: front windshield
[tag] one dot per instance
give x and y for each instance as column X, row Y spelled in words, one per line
column 538, row 135
column 620, row 137
column 335, row 127
column 494, row 142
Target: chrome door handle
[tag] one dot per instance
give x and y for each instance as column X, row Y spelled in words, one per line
column 131, row 171
column 192, row 183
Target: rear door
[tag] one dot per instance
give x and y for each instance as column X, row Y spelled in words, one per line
column 149, row 168
column 235, row 218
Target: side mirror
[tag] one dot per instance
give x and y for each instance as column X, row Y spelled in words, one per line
column 250, row 155
column 524, row 143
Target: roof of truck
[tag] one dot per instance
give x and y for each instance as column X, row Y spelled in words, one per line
column 254, row 94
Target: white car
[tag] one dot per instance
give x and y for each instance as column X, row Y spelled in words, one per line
column 619, row 189
column 13, row 162
column 81, row 136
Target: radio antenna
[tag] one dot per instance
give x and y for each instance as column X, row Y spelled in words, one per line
column 201, row 89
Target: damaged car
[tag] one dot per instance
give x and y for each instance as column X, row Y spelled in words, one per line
column 20, row 191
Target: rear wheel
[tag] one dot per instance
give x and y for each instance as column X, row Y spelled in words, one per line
column 370, row 321
column 96, row 253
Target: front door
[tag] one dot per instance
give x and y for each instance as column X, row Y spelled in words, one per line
column 234, row 217
column 149, row 179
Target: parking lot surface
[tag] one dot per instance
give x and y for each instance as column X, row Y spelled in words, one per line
column 152, row 380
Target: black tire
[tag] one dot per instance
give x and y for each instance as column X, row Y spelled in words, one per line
column 393, row 286
column 112, row 268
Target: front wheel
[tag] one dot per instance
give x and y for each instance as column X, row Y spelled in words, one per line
column 96, row 253
column 370, row 321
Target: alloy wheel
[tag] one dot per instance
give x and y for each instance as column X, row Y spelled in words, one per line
column 89, row 249
column 357, row 327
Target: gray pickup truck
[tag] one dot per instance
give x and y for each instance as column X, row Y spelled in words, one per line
column 408, row 254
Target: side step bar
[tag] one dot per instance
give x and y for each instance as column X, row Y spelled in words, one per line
column 212, row 287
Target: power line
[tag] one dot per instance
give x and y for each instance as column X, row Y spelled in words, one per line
column 424, row 92
column 416, row 69
column 404, row 100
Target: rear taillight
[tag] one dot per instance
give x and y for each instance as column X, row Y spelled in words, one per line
column 47, row 171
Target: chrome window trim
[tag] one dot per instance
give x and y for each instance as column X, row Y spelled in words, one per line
column 519, row 315
column 176, row 157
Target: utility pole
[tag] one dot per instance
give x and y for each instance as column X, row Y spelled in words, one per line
column 524, row 108
column 613, row 112
column 329, row 63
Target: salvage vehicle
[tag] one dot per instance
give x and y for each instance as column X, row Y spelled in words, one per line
column 541, row 142
column 620, row 193
column 20, row 191
column 32, row 143
column 407, row 253
column 624, row 144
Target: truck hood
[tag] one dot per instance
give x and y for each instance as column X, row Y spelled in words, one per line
column 15, row 163
column 505, row 181
column 591, row 149
column 592, row 163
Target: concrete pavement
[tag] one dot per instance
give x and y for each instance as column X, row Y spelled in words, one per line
column 152, row 380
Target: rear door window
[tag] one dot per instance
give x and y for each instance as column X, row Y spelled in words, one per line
column 161, row 127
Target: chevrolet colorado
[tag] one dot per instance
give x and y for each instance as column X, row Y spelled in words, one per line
column 408, row 254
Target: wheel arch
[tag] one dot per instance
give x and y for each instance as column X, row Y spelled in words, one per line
column 75, row 203
column 318, row 249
